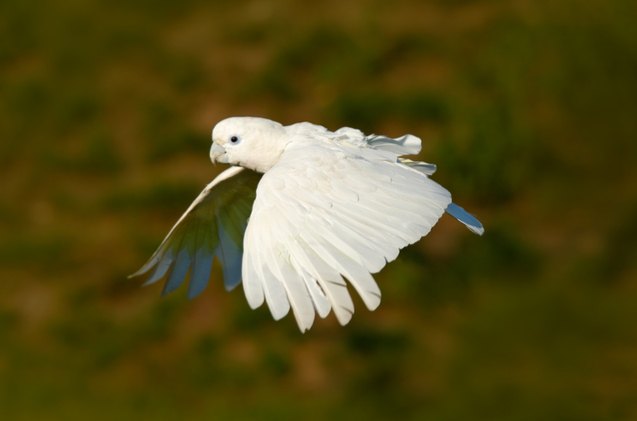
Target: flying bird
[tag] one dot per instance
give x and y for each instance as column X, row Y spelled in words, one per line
column 302, row 212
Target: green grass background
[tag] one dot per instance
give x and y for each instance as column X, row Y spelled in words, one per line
column 529, row 108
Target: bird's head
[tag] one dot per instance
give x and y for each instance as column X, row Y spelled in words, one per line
column 250, row 142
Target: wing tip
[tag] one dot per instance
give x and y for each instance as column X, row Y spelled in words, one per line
column 468, row 220
column 343, row 314
column 477, row 230
column 146, row 268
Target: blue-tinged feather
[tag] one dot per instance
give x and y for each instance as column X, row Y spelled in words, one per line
column 161, row 267
column 194, row 239
column 201, row 272
column 466, row 218
column 179, row 272
column 230, row 255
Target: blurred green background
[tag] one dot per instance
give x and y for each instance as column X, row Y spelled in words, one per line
column 528, row 107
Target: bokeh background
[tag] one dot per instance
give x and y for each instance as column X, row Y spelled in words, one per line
column 529, row 108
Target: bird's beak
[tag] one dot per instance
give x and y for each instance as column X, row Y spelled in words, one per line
column 218, row 153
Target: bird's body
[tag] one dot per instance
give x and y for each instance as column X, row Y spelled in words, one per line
column 330, row 206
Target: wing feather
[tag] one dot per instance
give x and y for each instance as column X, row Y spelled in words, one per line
column 275, row 294
column 470, row 221
column 324, row 284
column 405, row 145
column 179, row 271
column 230, row 254
column 360, row 278
column 213, row 225
column 160, row 268
column 331, row 283
column 254, row 291
column 326, row 212
column 299, row 296
column 200, row 272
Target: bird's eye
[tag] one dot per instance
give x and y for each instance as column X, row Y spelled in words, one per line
column 234, row 139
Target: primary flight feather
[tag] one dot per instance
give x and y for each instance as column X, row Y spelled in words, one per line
column 302, row 212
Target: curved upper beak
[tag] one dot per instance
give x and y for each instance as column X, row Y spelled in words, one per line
column 218, row 153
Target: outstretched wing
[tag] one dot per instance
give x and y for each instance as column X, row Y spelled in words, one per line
column 213, row 225
column 326, row 212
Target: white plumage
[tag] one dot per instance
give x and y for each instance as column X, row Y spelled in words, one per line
column 330, row 207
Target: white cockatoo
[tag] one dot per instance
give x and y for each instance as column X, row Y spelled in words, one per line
column 302, row 210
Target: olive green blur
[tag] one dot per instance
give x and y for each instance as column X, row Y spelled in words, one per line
column 529, row 108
